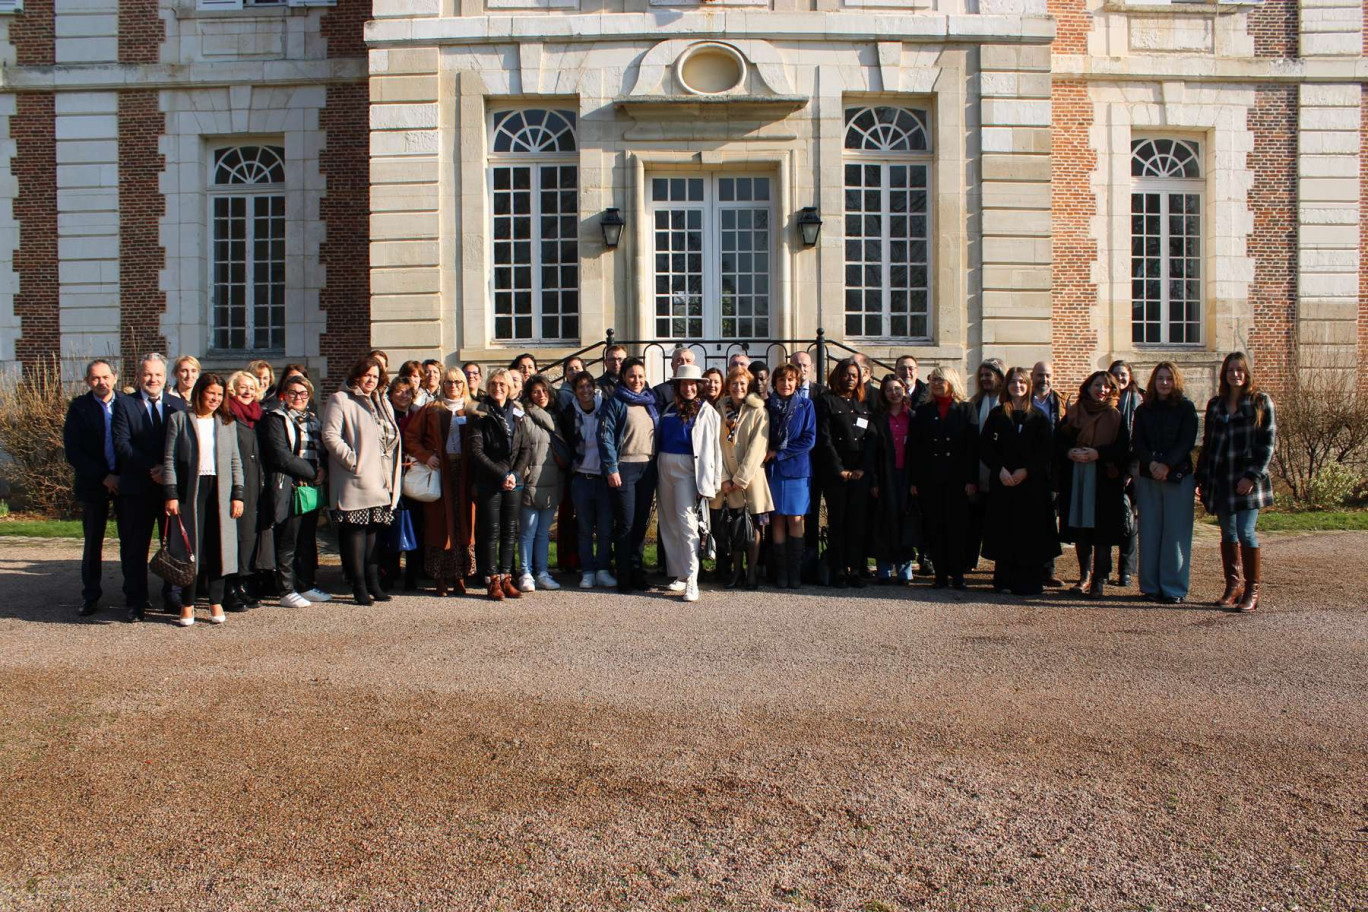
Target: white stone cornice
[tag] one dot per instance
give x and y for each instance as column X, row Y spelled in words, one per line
column 107, row 77
column 732, row 24
column 1195, row 68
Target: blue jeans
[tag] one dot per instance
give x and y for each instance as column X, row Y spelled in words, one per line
column 535, row 535
column 594, row 513
column 901, row 572
column 1239, row 527
column 1166, row 511
column 632, row 513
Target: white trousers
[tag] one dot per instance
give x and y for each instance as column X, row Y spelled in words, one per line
column 677, row 516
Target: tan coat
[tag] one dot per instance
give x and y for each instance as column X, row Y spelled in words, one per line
column 361, row 475
column 743, row 458
column 448, row 522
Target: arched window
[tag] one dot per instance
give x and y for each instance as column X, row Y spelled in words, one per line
column 1166, row 242
column 534, row 187
column 247, row 257
column 887, row 223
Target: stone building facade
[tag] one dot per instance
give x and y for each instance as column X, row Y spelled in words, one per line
column 1076, row 179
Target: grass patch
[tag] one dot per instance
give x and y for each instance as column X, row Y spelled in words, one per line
column 31, row 527
column 1308, row 521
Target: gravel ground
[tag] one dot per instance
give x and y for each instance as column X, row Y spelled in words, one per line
column 869, row 751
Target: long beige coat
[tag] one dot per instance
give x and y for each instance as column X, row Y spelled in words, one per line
column 743, row 458
column 360, row 475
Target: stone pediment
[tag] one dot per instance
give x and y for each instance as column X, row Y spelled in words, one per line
column 689, row 78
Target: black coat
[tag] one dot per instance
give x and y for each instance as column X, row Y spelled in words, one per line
column 945, row 452
column 254, row 522
column 138, row 445
column 493, row 455
column 1166, row 432
column 846, row 438
column 83, row 436
column 1021, row 519
column 897, row 526
column 278, row 448
column 1111, row 512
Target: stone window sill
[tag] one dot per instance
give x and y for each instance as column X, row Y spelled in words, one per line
column 1202, row 9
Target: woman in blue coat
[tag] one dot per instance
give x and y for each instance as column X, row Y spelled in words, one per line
column 793, row 433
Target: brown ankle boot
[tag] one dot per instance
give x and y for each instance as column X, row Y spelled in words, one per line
column 1253, row 570
column 495, row 592
column 510, row 590
column 458, row 586
column 1230, row 565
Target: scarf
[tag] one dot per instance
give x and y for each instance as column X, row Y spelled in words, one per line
column 389, row 431
column 453, row 405
column 943, row 404
column 247, row 414
column 646, row 399
column 786, row 408
column 1097, row 422
column 505, row 416
column 731, row 415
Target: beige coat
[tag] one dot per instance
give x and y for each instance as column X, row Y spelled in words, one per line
column 361, row 475
column 743, row 459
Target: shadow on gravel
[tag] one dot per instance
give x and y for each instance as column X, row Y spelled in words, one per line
column 49, row 592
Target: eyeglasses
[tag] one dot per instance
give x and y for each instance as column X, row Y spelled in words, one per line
column 452, row 383
column 297, row 394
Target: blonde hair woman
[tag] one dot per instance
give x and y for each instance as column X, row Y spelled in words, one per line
column 256, row 551
column 945, row 462
column 745, row 437
column 438, row 437
column 185, row 372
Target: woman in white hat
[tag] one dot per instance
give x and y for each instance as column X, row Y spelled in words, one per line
column 689, row 466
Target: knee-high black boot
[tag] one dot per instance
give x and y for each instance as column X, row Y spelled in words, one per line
column 373, row 566
column 351, row 545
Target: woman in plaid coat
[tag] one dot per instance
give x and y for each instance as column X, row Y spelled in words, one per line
column 1232, row 475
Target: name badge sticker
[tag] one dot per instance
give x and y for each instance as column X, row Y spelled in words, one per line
column 861, row 423
column 517, row 410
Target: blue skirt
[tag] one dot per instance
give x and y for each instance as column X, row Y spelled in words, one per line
column 791, row 495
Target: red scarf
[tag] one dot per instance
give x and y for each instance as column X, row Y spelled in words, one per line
column 943, row 404
column 247, row 414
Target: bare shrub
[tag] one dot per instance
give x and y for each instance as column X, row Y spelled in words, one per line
column 1322, row 446
column 33, row 409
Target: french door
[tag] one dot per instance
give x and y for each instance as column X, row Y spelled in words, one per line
column 713, row 249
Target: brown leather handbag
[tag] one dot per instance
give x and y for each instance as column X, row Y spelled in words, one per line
column 175, row 570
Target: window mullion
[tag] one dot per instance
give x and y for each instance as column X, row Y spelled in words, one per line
column 535, row 258
column 1165, row 252
column 886, row 248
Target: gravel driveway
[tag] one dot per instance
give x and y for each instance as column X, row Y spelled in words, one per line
column 877, row 750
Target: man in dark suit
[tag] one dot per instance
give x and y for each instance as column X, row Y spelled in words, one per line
column 139, row 441
column 88, row 439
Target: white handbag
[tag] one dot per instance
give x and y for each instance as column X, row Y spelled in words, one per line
column 423, row 483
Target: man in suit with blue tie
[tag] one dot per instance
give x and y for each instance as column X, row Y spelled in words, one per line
column 88, row 439
column 139, row 443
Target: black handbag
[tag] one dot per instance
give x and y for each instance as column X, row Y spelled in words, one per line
column 738, row 530
column 707, row 539
column 175, row 570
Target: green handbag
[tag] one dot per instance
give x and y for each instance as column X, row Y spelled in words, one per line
column 305, row 500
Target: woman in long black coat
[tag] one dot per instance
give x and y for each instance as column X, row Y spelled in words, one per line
column 256, row 551
column 1017, row 446
column 846, row 448
column 897, row 529
column 1092, row 447
column 500, row 451
column 945, row 472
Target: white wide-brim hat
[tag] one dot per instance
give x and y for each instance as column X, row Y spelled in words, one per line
column 689, row 372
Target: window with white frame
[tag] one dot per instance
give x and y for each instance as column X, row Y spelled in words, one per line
column 887, row 223
column 1166, row 242
column 247, row 249
column 534, row 196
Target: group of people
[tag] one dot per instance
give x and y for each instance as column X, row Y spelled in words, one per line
column 444, row 474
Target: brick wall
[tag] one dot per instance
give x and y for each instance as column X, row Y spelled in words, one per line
column 141, row 31
column 141, row 206
column 1273, row 243
column 1072, row 24
column 344, row 28
column 32, row 34
column 1363, row 225
column 1074, row 297
column 1275, row 27
column 35, row 208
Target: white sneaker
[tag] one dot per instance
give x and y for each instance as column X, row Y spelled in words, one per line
column 294, row 600
column 317, row 595
column 526, row 583
column 605, row 580
column 691, row 590
column 544, row 581
column 587, row 580
column 677, row 585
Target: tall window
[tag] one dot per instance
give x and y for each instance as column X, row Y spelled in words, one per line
column 247, row 263
column 534, row 184
column 1166, row 242
column 887, row 223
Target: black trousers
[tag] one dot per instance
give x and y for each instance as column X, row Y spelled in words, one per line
column 978, row 519
column 496, row 518
column 209, row 578
column 631, row 514
column 945, row 519
column 848, row 519
column 296, row 553
column 139, row 516
column 1093, row 559
column 94, row 519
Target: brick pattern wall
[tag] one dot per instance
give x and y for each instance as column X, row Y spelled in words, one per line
column 1072, row 24
column 1363, row 225
column 345, row 208
column 1073, row 336
column 1275, row 27
column 1273, row 243
column 37, row 304
column 32, row 33
column 141, row 31
column 141, row 207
